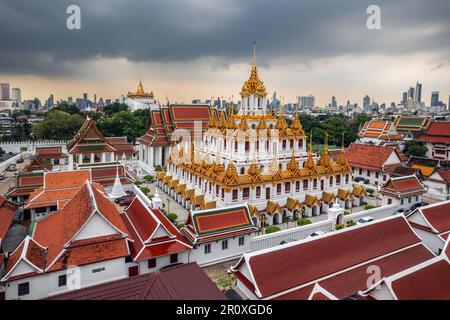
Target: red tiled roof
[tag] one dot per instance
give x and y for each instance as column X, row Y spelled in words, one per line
column 438, row 131
column 66, row 179
column 403, row 186
column 351, row 282
column 48, row 150
column 368, row 156
column 59, row 228
column 431, row 282
column 142, row 222
column 7, row 212
column 286, row 267
column 182, row 282
column 219, row 222
column 438, row 216
column 163, row 122
column 445, row 174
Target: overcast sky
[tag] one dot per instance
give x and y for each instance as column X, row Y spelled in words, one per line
column 187, row 49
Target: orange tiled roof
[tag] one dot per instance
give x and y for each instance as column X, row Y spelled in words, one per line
column 403, row 186
column 368, row 156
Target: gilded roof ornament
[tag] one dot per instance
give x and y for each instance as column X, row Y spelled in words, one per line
column 309, row 163
column 296, row 125
column 254, row 85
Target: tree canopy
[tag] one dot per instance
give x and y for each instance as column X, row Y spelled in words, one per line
column 58, row 125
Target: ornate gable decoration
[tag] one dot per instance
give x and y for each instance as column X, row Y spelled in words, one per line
column 231, row 175
column 296, row 126
column 254, row 85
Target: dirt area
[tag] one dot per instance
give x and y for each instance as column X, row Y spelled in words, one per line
column 10, row 176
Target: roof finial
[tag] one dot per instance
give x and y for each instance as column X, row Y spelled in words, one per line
column 254, row 52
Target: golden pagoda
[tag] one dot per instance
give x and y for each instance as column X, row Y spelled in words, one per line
column 325, row 157
column 254, row 85
column 309, row 163
column 140, row 92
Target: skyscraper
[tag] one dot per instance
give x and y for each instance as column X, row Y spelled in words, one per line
column 366, row 102
column 333, row 102
column 418, row 93
column 306, row 102
column 434, row 98
column 411, row 93
column 404, row 97
column 16, row 95
column 4, row 91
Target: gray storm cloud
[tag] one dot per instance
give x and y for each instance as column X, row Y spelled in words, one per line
column 34, row 38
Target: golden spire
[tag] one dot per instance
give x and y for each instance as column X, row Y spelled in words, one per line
column 281, row 124
column 309, row 163
column 296, row 125
column 221, row 124
column 341, row 160
column 212, row 119
column 254, row 85
column 244, row 125
column 231, row 123
column 292, row 165
column 325, row 158
column 231, row 175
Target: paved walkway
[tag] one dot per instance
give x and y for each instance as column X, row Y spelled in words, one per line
column 170, row 205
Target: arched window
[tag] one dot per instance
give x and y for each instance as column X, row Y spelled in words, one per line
column 242, row 170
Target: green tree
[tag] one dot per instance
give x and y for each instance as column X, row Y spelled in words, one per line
column 414, row 148
column 69, row 108
column 58, row 125
column 113, row 108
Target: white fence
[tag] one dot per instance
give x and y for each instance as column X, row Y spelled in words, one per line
column 15, row 147
column 299, row 233
column 6, row 163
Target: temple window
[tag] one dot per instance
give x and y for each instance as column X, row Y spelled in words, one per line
column 287, row 187
column 305, row 184
column 242, row 170
column 258, row 192
column 235, row 195
column 279, row 188
column 245, row 193
column 297, row 186
column 346, row 178
column 300, row 143
column 338, row 179
column 284, row 144
column 247, row 146
column 291, row 144
column 331, row 181
column 315, row 183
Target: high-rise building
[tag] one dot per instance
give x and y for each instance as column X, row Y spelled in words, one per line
column 16, row 95
column 366, row 102
column 4, row 91
column 434, row 99
column 411, row 93
column 333, row 102
column 404, row 97
column 418, row 93
column 306, row 101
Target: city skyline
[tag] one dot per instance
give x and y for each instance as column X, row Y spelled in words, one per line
column 298, row 54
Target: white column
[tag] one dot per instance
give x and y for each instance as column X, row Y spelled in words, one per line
column 80, row 158
column 92, row 157
column 112, row 156
column 151, row 158
column 103, row 157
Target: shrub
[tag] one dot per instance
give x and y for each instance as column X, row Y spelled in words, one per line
column 370, row 191
column 148, row 178
column 368, row 207
column 158, row 168
column 350, row 223
column 145, row 190
column 172, row 217
column 346, row 213
column 181, row 225
column 340, row 226
column 272, row 229
column 138, row 183
column 303, row 222
column 150, row 196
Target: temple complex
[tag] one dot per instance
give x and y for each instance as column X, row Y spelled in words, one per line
column 257, row 158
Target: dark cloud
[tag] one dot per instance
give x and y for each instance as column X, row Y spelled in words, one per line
column 34, row 39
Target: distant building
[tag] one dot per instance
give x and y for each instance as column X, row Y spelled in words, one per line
column 16, row 95
column 437, row 140
column 366, row 103
column 404, row 97
column 434, row 99
column 333, row 102
column 411, row 93
column 141, row 99
column 306, row 101
column 4, row 91
column 418, row 92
